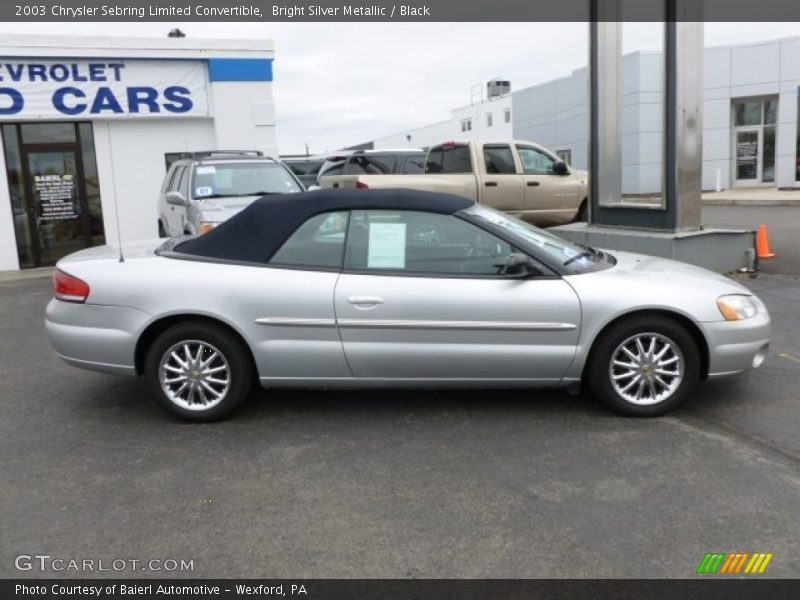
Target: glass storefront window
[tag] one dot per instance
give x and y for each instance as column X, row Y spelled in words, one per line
column 48, row 133
column 54, row 190
column 19, row 201
column 747, row 113
column 91, row 183
column 797, row 144
column 768, row 168
column 770, row 112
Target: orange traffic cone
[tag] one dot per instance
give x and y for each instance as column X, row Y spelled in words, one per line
column 762, row 243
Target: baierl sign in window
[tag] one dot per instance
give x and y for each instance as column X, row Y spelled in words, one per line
column 101, row 88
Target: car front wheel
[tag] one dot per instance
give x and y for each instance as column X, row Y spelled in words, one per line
column 644, row 366
column 198, row 371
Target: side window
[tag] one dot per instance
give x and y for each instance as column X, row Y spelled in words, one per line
column 173, row 178
column 414, row 164
column 370, row 165
column 182, row 183
column 317, row 243
column 449, row 159
column 499, row 160
column 422, row 243
column 535, row 162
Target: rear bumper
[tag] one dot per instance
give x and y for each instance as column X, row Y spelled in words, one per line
column 736, row 347
column 95, row 337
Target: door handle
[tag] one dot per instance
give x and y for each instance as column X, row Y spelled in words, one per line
column 490, row 184
column 365, row 300
column 533, row 183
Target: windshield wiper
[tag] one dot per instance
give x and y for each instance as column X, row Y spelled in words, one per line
column 259, row 194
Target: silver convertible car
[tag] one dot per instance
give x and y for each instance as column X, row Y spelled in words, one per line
column 345, row 288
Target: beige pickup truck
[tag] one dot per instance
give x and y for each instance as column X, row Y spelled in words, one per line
column 520, row 178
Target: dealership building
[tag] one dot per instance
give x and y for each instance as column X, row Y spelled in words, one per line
column 750, row 118
column 89, row 126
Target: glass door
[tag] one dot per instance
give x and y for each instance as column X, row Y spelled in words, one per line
column 59, row 222
column 748, row 156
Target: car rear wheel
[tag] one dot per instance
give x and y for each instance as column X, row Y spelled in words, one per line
column 644, row 366
column 198, row 371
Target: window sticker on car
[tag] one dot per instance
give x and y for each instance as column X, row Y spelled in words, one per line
column 205, row 170
column 387, row 246
column 202, row 191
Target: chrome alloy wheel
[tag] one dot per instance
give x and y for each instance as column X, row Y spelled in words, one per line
column 194, row 375
column 646, row 368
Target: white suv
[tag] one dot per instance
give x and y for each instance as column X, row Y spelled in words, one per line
column 203, row 189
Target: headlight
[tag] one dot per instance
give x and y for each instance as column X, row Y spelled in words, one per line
column 736, row 307
column 206, row 226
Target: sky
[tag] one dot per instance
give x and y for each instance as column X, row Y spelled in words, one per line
column 339, row 84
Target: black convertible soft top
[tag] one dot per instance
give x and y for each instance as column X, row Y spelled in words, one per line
column 257, row 232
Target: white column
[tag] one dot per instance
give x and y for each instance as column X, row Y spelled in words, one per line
column 9, row 261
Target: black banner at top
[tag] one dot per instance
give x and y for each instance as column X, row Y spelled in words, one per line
column 389, row 10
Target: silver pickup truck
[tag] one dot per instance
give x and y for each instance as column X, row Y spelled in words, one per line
column 518, row 177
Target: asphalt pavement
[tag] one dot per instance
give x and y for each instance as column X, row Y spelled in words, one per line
column 400, row 484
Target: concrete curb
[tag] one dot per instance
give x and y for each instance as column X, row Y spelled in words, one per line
column 10, row 276
column 744, row 202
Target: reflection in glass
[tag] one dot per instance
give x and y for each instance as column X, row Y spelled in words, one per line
column 747, row 155
column 768, row 167
column 747, row 113
column 48, row 133
column 770, row 112
column 92, row 183
column 19, row 201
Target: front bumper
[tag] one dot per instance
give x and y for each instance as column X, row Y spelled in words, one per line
column 737, row 346
column 95, row 337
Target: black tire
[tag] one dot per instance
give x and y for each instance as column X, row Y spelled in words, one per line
column 600, row 369
column 235, row 357
column 583, row 212
column 161, row 231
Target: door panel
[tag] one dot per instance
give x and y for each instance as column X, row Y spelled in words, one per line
column 291, row 338
column 430, row 328
column 549, row 198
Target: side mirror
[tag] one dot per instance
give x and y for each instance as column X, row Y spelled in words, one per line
column 560, row 168
column 176, row 198
column 520, row 265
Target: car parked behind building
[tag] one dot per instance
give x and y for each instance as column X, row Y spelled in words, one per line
column 203, row 189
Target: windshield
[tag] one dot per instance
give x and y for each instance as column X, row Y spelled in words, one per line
column 573, row 257
column 227, row 180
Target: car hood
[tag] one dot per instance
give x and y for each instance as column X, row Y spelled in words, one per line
column 217, row 210
column 665, row 270
column 638, row 281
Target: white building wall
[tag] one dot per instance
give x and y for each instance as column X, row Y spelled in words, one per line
column 555, row 113
column 244, row 116
column 133, row 175
column 451, row 129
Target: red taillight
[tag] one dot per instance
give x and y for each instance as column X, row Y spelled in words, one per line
column 69, row 288
column 360, row 185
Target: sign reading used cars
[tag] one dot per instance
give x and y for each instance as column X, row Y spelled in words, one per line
column 101, row 88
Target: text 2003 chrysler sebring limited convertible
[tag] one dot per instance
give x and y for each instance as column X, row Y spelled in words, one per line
column 391, row 288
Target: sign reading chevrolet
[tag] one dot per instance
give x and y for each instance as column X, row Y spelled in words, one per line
column 101, row 88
